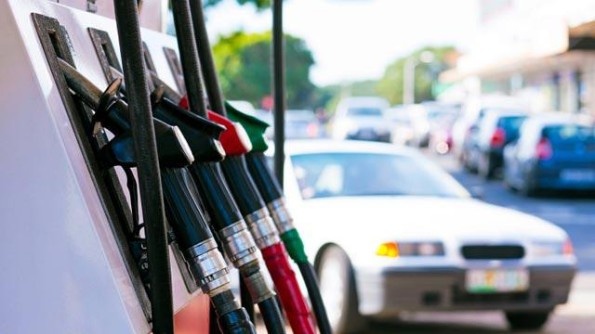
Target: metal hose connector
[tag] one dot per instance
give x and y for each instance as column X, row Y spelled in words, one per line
column 263, row 228
column 258, row 287
column 238, row 243
column 281, row 216
column 208, row 267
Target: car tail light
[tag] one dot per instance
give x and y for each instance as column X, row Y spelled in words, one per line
column 543, row 150
column 312, row 130
column 498, row 138
column 568, row 248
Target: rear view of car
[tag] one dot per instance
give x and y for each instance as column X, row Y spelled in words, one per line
column 497, row 129
column 553, row 154
column 301, row 123
column 361, row 118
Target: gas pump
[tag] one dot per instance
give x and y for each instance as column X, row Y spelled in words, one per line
column 183, row 211
column 104, row 272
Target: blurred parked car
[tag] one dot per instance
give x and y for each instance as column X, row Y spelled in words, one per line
column 301, row 123
column 472, row 110
column 390, row 231
column 409, row 125
column 554, row 151
column 361, row 118
column 441, row 117
column 495, row 130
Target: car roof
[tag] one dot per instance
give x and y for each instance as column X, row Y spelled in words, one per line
column 297, row 146
column 549, row 118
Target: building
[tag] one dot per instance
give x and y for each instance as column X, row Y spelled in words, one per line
column 542, row 50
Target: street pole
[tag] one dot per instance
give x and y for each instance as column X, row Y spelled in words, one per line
column 409, row 74
column 409, row 80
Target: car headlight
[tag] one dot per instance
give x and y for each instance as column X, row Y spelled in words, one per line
column 402, row 249
column 552, row 248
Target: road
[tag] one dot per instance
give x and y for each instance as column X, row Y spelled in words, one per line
column 574, row 213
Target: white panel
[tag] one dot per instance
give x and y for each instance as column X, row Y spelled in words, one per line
column 61, row 269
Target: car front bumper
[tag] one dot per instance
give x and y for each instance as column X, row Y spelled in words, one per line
column 386, row 293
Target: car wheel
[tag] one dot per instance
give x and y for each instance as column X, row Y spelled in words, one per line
column 527, row 320
column 528, row 188
column 337, row 288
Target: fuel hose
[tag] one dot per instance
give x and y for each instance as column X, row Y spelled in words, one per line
column 232, row 230
column 236, row 144
column 201, row 253
column 274, row 198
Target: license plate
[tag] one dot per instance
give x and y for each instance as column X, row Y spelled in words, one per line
column 577, row 175
column 496, row 280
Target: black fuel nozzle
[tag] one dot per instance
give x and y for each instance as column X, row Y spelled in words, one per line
column 173, row 150
column 156, row 81
column 113, row 113
column 201, row 134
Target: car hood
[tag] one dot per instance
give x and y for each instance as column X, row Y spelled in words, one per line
column 385, row 218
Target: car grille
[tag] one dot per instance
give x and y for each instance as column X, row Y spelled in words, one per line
column 492, row 252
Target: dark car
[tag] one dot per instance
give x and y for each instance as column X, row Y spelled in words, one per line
column 496, row 129
column 554, row 152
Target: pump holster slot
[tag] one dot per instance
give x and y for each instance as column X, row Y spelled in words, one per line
column 56, row 45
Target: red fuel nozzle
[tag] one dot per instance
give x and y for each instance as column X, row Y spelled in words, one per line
column 234, row 139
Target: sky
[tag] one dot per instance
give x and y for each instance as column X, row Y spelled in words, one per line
column 356, row 39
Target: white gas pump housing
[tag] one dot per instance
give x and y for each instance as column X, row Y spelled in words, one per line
column 63, row 269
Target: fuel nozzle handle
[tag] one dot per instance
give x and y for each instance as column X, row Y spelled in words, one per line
column 201, row 134
column 113, row 113
column 236, row 144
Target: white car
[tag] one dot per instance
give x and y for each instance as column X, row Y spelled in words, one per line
column 361, row 118
column 390, row 231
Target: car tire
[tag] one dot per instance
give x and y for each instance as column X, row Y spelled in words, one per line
column 527, row 320
column 337, row 287
column 485, row 169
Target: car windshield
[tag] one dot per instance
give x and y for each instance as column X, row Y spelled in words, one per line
column 364, row 111
column 371, row 174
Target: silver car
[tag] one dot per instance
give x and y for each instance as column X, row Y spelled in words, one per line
column 390, row 231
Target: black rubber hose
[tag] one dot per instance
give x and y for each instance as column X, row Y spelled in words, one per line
column 236, row 173
column 269, row 188
column 271, row 315
column 145, row 148
column 311, row 281
column 234, row 321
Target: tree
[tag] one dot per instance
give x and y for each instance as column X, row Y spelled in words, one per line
column 245, row 68
column 391, row 84
column 259, row 4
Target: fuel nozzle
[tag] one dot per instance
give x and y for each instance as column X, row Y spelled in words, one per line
column 202, row 135
column 112, row 113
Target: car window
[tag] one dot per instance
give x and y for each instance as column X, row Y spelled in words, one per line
column 568, row 133
column 370, row 174
column 364, row 111
column 511, row 124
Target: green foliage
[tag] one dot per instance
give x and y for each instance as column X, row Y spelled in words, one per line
column 259, row 4
column 245, row 68
column 390, row 85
